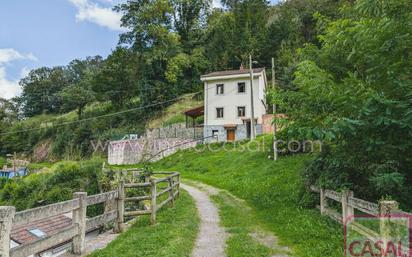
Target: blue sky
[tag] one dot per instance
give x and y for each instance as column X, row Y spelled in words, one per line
column 36, row 33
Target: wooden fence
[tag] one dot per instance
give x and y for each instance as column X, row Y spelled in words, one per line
column 385, row 210
column 171, row 188
column 80, row 223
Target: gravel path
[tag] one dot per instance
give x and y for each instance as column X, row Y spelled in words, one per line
column 210, row 241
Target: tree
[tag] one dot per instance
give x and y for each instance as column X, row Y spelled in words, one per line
column 354, row 93
column 190, row 17
column 8, row 111
column 153, row 42
column 41, row 89
column 232, row 35
column 80, row 70
column 117, row 80
column 291, row 25
column 76, row 97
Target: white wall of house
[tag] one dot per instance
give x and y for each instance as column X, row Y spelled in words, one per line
column 231, row 99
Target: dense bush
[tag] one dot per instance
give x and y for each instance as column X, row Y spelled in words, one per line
column 354, row 93
column 2, row 162
column 55, row 185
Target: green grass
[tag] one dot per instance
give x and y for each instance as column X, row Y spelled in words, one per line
column 40, row 165
column 174, row 113
column 271, row 188
column 173, row 236
column 240, row 223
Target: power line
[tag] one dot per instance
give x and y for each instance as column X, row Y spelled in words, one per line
column 98, row 117
column 105, row 115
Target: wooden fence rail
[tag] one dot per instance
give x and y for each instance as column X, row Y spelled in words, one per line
column 171, row 190
column 76, row 233
column 385, row 210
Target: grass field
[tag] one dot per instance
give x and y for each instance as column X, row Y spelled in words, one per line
column 245, row 236
column 173, row 235
column 272, row 189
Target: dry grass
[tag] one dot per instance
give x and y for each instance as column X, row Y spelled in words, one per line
column 174, row 113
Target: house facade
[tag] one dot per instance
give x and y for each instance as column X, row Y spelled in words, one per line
column 228, row 107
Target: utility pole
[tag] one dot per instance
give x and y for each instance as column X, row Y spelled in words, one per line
column 252, row 116
column 275, row 150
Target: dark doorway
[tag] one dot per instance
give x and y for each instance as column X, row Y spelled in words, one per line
column 248, row 131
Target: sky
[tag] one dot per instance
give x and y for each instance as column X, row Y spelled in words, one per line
column 38, row 33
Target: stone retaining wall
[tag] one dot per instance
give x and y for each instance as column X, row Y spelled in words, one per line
column 134, row 151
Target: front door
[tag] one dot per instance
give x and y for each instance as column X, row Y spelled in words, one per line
column 230, row 135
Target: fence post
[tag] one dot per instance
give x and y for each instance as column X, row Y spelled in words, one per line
column 79, row 219
column 323, row 203
column 153, row 201
column 386, row 209
column 347, row 210
column 178, row 185
column 171, row 192
column 119, row 226
column 6, row 220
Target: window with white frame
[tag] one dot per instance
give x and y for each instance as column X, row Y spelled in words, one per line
column 219, row 112
column 220, row 89
column 241, row 87
column 241, row 111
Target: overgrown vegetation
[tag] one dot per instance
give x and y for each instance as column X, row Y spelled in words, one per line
column 3, row 162
column 353, row 92
column 55, row 185
column 173, row 236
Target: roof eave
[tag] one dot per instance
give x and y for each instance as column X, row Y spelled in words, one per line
column 236, row 76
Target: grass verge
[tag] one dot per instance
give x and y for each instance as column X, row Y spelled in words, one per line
column 174, row 234
column 246, row 237
column 271, row 188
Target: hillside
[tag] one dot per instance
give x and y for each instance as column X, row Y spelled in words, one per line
column 273, row 189
column 51, row 137
column 174, row 113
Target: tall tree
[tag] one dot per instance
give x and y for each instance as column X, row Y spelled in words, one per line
column 117, row 81
column 354, row 92
column 76, row 97
column 41, row 89
column 8, row 112
column 190, row 17
column 235, row 33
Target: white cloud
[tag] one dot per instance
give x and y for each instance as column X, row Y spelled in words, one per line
column 10, row 88
column 8, row 55
column 92, row 12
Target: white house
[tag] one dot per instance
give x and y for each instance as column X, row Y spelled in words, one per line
column 227, row 106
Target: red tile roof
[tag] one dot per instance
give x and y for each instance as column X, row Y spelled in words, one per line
column 49, row 226
column 232, row 72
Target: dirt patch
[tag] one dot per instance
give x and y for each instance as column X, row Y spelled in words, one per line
column 42, row 150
